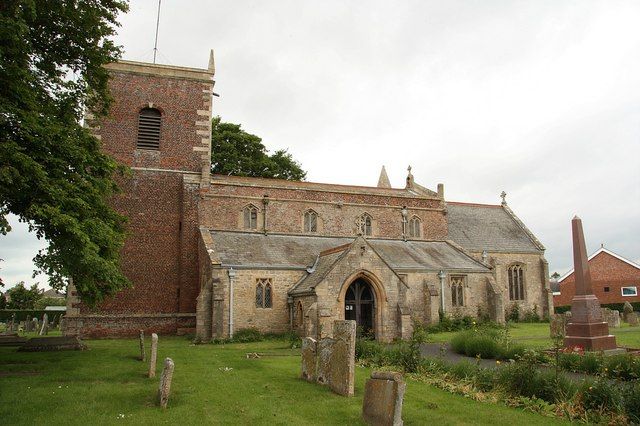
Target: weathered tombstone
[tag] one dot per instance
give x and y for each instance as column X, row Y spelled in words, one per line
column 612, row 317
column 45, row 325
column 142, row 354
column 12, row 323
column 28, row 325
column 383, row 397
column 22, row 326
column 165, row 383
column 626, row 310
column 36, row 324
column 632, row 319
column 154, row 355
column 331, row 360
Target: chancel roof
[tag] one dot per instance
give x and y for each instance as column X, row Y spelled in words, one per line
column 478, row 227
column 273, row 251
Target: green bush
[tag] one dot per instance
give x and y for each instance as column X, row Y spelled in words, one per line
column 601, row 395
column 22, row 314
column 247, row 335
column 624, row 367
column 513, row 313
column 464, row 370
column 455, row 323
column 531, row 316
column 631, row 397
column 523, row 379
column 485, row 342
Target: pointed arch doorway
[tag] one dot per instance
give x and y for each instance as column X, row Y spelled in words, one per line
column 360, row 306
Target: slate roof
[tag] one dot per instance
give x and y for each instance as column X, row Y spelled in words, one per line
column 478, row 227
column 253, row 250
column 324, row 265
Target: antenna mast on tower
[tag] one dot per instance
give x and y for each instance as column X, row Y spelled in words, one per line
column 155, row 44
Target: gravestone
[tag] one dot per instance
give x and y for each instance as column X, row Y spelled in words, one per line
column 632, row 319
column 586, row 328
column 165, row 383
column 383, row 397
column 154, row 355
column 45, row 325
column 612, row 317
column 330, row 361
column 48, row 344
column 142, row 353
column 28, row 326
column 626, row 310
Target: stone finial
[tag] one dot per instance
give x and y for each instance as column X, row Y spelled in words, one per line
column 503, row 195
column 383, row 180
column 212, row 62
column 165, row 382
column 154, row 355
column 410, row 180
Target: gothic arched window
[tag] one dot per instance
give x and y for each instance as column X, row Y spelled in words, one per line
column 516, row 282
column 364, row 225
column 310, row 221
column 250, row 217
column 149, row 121
column 299, row 315
column 414, row 227
column 264, row 293
column 457, row 291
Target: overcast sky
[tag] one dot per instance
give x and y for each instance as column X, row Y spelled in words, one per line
column 540, row 99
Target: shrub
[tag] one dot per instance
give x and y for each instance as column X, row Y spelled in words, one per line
column 247, row 335
column 463, row 370
column 513, row 313
column 631, row 397
column 485, row 342
column 623, row 367
column 601, row 395
column 531, row 315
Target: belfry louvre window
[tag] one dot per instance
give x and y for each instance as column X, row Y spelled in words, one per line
column 149, row 122
column 457, row 291
column 264, row 293
column 414, row 227
column 311, row 221
column 516, row 282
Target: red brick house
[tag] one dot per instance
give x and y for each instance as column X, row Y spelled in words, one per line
column 615, row 280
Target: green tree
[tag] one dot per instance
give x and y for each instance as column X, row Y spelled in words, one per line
column 22, row 297
column 238, row 153
column 49, row 301
column 53, row 174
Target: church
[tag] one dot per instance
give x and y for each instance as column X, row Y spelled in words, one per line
column 210, row 255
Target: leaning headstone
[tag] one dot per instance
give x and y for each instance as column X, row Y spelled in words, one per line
column 142, row 354
column 626, row 310
column 330, row 361
column 28, row 325
column 165, row 383
column 383, row 396
column 45, row 325
column 632, row 319
column 154, row 355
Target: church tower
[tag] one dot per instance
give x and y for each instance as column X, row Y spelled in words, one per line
column 160, row 126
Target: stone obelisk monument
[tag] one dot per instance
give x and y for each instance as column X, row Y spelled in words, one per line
column 587, row 327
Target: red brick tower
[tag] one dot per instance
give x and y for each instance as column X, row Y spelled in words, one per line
column 160, row 126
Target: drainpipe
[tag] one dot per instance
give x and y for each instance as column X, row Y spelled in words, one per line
column 265, row 203
column 232, row 276
column 442, row 276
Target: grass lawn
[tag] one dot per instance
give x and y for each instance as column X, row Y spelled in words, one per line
column 537, row 335
column 99, row 385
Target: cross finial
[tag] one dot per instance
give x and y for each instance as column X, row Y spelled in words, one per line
column 503, row 195
column 409, row 169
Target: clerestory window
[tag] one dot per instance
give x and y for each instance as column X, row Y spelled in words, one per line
column 414, row 227
column 250, row 216
column 364, row 225
column 310, row 221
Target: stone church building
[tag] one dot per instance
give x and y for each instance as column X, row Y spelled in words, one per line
column 211, row 255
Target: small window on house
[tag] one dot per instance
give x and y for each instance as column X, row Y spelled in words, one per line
column 457, row 291
column 414, row 227
column 516, row 282
column 264, row 293
column 629, row 291
column 250, row 215
column 364, row 225
column 607, row 289
column 310, row 221
column 149, row 121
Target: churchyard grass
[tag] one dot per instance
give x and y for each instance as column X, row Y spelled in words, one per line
column 536, row 335
column 216, row 384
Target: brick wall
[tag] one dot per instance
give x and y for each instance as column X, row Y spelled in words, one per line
column 606, row 271
column 337, row 209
